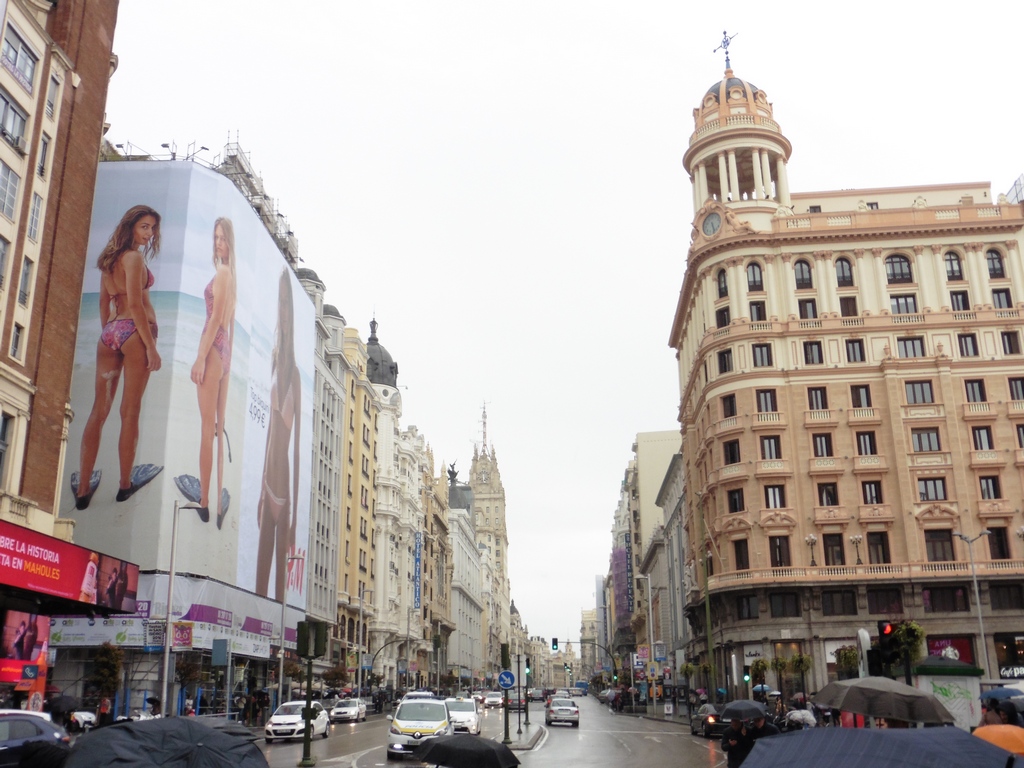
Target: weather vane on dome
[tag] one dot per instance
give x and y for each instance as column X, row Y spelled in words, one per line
column 726, row 37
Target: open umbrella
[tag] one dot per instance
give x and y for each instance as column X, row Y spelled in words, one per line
column 170, row 741
column 761, row 688
column 743, row 709
column 877, row 748
column 63, row 704
column 458, row 751
column 882, row 697
column 804, row 717
column 1009, row 737
column 1000, row 693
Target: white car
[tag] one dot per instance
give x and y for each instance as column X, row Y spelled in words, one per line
column 287, row 722
column 464, row 714
column 414, row 722
column 563, row 711
column 493, row 699
column 348, row 710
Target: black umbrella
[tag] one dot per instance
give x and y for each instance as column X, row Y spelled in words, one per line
column 174, row 742
column 465, row 751
column 744, row 709
column 63, row 704
column 877, row 748
column 882, row 697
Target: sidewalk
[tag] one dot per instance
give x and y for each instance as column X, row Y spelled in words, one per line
column 525, row 741
column 658, row 713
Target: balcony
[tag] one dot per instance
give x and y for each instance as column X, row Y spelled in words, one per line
column 976, row 411
column 821, row 418
column 870, row 464
column 729, row 473
column 772, row 468
column 875, row 513
column 727, row 426
column 768, row 420
column 829, row 515
column 982, row 459
column 859, row 417
column 930, row 459
column 826, row 465
column 924, row 411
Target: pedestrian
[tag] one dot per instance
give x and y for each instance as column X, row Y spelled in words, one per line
column 761, row 728
column 105, row 712
column 991, row 716
column 736, row 743
column 1008, row 713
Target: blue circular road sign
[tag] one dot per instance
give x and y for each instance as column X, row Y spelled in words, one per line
column 506, row 679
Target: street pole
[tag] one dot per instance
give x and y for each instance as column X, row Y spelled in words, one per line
column 359, row 641
column 284, row 609
column 165, row 678
column 650, row 643
column 977, row 595
column 519, row 688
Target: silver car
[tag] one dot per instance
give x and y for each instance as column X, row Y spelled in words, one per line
column 348, row 710
column 414, row 722
column 563, row 711
column 465, row 714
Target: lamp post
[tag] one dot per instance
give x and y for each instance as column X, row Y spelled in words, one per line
column 856, row 539
column 170, row 598
column 811, row 541
column 284, row 608
column 650, row 641
column 359, row 641
column 977, row 597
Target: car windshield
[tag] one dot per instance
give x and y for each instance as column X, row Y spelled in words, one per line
column 461, row 706
column 562, row 703
column 493, row 695
column 290, row 709
column 347, row 704
column 422, row 710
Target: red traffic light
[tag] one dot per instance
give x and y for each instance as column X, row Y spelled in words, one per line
column 886, row 628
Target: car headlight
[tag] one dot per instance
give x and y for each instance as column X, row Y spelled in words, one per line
column 396, row 730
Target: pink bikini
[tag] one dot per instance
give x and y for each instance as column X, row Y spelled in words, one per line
column 118, row 331
column 221, row 342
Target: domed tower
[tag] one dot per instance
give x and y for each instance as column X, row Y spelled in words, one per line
column 380, row 368
column 737, row 157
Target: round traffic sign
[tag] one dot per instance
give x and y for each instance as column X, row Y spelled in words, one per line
column 506, row 679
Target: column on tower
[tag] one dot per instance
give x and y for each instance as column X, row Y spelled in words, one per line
column 755, row 161
column 723, row 179
column 782, row 182
column 734, row 177
column 766, row 176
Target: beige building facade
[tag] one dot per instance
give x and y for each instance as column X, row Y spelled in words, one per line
column 852, row 405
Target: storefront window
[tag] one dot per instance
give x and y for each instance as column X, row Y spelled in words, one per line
column 1010, row 655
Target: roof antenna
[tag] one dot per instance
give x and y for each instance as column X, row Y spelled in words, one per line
column 726, row 37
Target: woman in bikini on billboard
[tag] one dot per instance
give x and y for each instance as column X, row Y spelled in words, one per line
column 212, row 370
column 127, row 344
column 279, row 494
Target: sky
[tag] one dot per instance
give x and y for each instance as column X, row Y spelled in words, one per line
column 500, row 185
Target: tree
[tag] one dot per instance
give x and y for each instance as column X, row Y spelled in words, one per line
column 758, row 669
column 293, row 670
column 335, row 677
column 779, row 666
column 106, row 669
column 800, row 663
column 187, row 670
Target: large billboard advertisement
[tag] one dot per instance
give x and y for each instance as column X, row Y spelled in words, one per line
column 193, row 383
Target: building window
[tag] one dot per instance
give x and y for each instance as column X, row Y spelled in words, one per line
column 1006, row 597
column 995, row 264
column 808, row 309
column 9, row 182
column 723, row 284
column 34, row 217
column 919, row 392
column 735, row 500
column 758, row 311
column 990, row 487
column 1020, row 435
column 785, row 605
column 866, row 445
column 839, row 602
column 828, row 495
column 882, row 602
column 871, row 490
column 939, row 546
column 1017, row 388
column 982, row 438
column 722, row 317
column 19, row 59
column 848, row 306
column 771, row 447
column 855, row 350
column 897, row 269
column 51, row 96
column 844, row 273
column 814, row 209
column 904, row 304
column 925, row 440
column 16, row 335
column 731, row 452
column 802, row 273
column 931, row 488
column 12, row 121
column 728, row 406
column 742, row 557
column 26, row 282
column 746, row 607
column 953, row 269
column 766, row 401
column 1001, row 299
column 872, row 206
column 762, row 355
column 775, row 496
column 998, row 543
column 975, row 389
column 860, row 395
column 959, row 301
column 44, row 155
column 878, row 548
column 968, row 344
column 725, row 361
column 755, row 279
column 812, row 353
column 778, row 548
column 5, row 429
column 822, row 444
column 817, row 398
column 912, row 346
column 1011, row 342
column 944, row 599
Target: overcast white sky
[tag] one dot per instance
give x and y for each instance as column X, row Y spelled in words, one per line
column 501, row 185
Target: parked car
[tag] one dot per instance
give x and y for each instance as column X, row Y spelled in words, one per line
column 707, row 722
column 348, row 710
column 465, row 714
column 414, row 722
column 287, row 722
column 562, row 710
column 21, row 728
column 493, row 699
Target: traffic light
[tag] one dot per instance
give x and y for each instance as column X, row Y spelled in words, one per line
column 615, row 678
column 527, row 665
column 887, row 642
column 874, row 663
column 746, row 673
column 554, row 643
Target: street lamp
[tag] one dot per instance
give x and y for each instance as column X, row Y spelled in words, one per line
column 977, row 596
column 170, row 597
column 811, row 541
column 284, row 608
column 856, row 539
column 650, row 641
column 359, row 640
